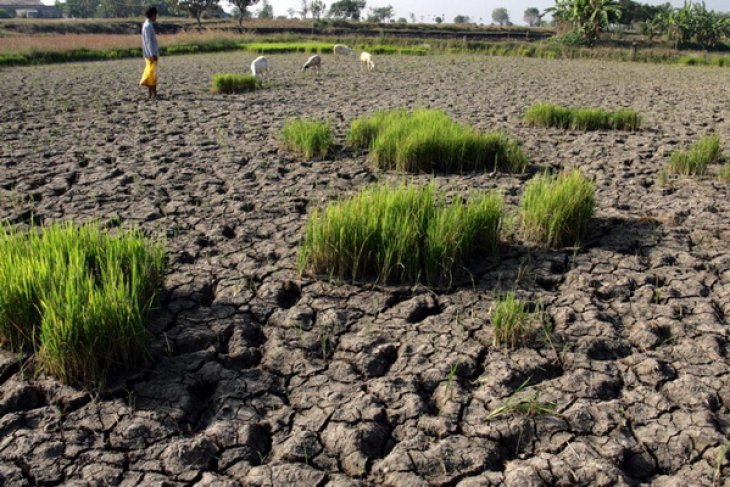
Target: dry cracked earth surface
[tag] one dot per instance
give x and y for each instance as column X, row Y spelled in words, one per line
column 263, row 377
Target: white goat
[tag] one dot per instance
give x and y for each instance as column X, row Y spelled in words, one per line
column 366, row 61
column 260, row 67
column 343, row 50
column 314, row 62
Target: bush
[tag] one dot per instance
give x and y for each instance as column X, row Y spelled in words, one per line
column 400, row 233
column 695, row 161
column 428, row 140
column 78, row 297
column 555, row 210
column 310, row 138
column 513, row 324
column 544, row 114
column 234, row 83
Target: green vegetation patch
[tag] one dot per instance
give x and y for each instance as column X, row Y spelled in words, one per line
column 400, row 233
column 544, row 114
column 234, row 83
column 695, row 161
column 724, row 174
column 310, row 138
column 556, row 210
column 78, row 297
column 287, row 47
column 429, row 140
column 513, row 323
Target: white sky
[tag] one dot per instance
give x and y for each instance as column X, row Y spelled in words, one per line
column 476, row 9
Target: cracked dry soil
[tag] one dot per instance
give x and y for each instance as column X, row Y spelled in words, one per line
column 263, row 378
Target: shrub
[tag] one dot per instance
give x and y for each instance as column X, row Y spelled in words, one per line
column 400, row 233
column 234, row 83
column 555, row 210
column 513, row 324
column 428, row 140
column 544, row 114
column 310, row 138
column 78, row 297
column 695, row 161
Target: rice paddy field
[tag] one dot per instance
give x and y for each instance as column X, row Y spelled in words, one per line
column 596, row 361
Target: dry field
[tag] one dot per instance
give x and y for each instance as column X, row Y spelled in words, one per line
column 262, row 377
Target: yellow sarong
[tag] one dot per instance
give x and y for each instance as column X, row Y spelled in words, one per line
column 149, row 77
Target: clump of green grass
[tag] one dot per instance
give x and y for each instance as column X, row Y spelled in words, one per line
column 696, row 160
column 310, row 138
column 234, row 83
column 428, row 140
column 544, row 114
column 556, row 210
column 400, row 233
column 78, row 297
column 512, row 322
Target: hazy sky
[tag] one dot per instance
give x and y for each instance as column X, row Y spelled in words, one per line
column 473, row 8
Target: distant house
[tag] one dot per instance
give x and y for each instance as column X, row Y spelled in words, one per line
column 30, row 9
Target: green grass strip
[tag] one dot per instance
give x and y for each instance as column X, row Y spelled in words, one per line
column 78, row 297
column 234, row 83
column 429, row 140
column 544, row 114
column 400, row 233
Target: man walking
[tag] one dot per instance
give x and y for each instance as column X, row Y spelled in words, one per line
column 151, row 53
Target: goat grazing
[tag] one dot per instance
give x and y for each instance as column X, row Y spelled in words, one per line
column 260, row 67
column 314, row 62
column 366, row 61
column 343, row 50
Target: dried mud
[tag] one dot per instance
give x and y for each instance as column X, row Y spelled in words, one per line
column 261, row 377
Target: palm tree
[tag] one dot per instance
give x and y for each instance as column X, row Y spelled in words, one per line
column 588, row 17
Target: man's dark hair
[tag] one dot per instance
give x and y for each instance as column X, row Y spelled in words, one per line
column 151, row 12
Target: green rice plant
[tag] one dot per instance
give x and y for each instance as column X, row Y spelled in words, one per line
column 556, row 210
column 529, row 404
column 310, row 138
column 428, row 140
column 78, row 297
column 544, row 114
column 400, row 233
column 695, row 161
column 512, row 322
column 234, row 83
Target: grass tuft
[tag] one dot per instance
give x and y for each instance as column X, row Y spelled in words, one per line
column 513, row 324
column 400, row 233
column 428, row 140
column 724, row 174
column 696, row 160
column 556, row 210
column 544, row 114
column 78, row 297
column 310, row 138
column 529, row 404
column 234, row 83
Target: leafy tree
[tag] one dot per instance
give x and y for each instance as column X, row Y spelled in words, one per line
column 118, row 9
column 266, row 11
column 318, row 8
column 500, row 16
column 461, row 19
column 303, row 8
column 5, row 14
column 380, row 14
column 532, row 16
column 588, row 17
column 347, row 9
column 79, row 8
column 439, row 20
column 242, row 6
column 412, row 16
column 196, row 8
column 402, row 20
